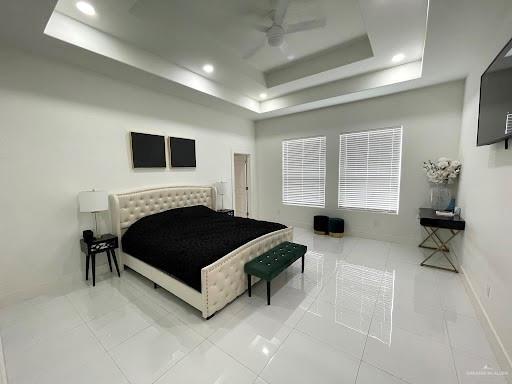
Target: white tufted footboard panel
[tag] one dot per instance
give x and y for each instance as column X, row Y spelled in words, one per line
column 225, row 280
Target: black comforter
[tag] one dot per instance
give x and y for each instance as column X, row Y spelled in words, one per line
column 182, row 241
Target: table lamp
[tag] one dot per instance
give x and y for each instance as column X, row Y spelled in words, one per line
column 93, row 202
column 221, row 191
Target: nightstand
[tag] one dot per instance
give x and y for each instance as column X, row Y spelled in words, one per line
column 230, row 212
column 105, row 243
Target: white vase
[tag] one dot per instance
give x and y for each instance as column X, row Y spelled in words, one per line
column 440, row 196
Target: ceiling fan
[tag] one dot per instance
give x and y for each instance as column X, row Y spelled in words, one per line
column 275, row 34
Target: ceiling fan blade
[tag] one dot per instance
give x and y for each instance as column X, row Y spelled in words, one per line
column 260, row 27
column 255, row 49
column 306, row 25
column 280, row 12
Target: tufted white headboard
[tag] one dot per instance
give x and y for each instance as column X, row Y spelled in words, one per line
column 126, row 208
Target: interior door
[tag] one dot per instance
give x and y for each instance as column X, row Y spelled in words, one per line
column 241, row 186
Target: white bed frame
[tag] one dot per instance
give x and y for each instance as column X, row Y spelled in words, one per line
column 222, row 281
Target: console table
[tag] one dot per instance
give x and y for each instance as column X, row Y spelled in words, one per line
column 432, row 224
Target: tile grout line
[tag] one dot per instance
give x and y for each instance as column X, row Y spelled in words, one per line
column 135, row 334
column 368, row 335
column 294, row 328
column 405, row 381
column 258, row 374
column 151, row 323
column 204, row 339
column 275, row 353
column 445, row 324
column 98, row 341
column 369, row 328
column 242, row 307
column 178, row 361
column 452, row 354
column 146, row 295
column 34, row 341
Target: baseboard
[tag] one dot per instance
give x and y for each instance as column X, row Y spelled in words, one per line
column 3, row 372
column 499, row 349
column 408, row 240
column 366, row 235
column 61, row 286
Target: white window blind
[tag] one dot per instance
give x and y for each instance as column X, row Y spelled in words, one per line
column 369, row 170
column 304, row 172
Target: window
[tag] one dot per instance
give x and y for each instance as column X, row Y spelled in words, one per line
column 369, row 170
column 304, row 172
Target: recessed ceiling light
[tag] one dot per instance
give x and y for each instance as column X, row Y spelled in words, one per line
column 208, row 68
column 291, row 57
column 86, row 8
column 263, row 95
column 398, row 58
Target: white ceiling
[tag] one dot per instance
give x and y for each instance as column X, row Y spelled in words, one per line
column 189, row 34
column 232, row 25
column 201, row 29
column 131, row 41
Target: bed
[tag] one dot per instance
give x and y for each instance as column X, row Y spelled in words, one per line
column 220, row 282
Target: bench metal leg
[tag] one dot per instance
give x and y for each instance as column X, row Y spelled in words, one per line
column 268, row 292
column 249, row 284
column 302, row 263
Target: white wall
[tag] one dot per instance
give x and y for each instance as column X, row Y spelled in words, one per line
column 485, row 194
column 64, row 130
column 431, row 126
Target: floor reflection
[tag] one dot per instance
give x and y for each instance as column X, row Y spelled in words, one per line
column 382, row 322
column 313, row 277
column 366, row 291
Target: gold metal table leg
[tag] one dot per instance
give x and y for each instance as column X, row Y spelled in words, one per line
column 441, row 246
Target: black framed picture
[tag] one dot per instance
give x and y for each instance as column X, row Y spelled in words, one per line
column 183, row 152
column 148, row 151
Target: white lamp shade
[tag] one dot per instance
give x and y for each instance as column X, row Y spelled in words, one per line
column 93, row 201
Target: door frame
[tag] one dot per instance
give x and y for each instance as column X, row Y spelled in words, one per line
column 248, row 178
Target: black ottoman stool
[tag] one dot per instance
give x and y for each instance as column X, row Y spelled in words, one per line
column 321, row 225
column 336, row 227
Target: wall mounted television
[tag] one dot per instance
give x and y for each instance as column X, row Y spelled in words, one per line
column 495, row 115
column 183, row 152
column 148, row 151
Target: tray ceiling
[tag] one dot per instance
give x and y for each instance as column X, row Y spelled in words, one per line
column 350, row 52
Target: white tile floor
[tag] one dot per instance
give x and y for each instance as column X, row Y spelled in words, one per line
column 364, row 312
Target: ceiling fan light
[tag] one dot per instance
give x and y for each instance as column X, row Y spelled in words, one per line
column 398, row 58
column 208, row 68
column 86, row 8
column 275, row 35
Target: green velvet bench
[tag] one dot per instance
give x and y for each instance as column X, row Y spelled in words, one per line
column 270, row 264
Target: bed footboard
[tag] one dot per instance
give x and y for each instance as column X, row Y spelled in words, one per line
column 225, row 280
